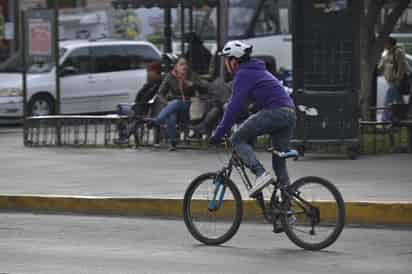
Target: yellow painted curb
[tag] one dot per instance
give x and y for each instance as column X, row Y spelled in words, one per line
column 367, row 213
column 93, row 205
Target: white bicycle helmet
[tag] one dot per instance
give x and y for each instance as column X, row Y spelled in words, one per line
column 236, row 49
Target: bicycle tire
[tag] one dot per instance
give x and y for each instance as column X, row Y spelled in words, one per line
column 189, row 218
column 297, row 186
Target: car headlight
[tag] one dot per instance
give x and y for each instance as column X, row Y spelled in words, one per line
column 11, row 92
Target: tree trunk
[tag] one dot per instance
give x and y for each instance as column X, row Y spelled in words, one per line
column 366, row 72
column 367, row 76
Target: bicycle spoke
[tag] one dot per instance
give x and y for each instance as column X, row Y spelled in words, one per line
column 212, row 210
column 319, row 212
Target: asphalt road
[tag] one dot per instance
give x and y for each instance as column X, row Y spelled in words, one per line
column 159, row 173
column 80, row 244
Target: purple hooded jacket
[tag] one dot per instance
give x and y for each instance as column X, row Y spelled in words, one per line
column 252, row 84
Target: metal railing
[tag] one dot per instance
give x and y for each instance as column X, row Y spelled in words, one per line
column 95, row 130
column 75, row 130
column 104, row 131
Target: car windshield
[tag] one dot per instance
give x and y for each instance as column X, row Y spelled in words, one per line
column 14, row 64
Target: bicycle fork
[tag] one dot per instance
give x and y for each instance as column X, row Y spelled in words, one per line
column 218, row 193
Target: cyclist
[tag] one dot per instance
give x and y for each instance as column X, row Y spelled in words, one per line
column 275, row 112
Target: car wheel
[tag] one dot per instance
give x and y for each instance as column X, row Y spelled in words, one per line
column 41, row 105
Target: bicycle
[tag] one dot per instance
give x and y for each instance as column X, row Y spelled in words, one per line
column 214, row 199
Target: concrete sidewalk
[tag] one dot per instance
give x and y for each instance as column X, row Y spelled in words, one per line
column 158, row 174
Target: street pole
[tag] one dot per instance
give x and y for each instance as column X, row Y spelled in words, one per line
column 24, row 63
column 182, row 28
column 191, row 17
column 167, row 28
column 223, row 25
column 24, row 74
column 57, row 66
column 56, row 55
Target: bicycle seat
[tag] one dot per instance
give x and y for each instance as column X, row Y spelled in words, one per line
column 290, row 153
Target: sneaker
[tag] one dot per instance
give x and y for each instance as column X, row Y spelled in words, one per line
column 261, row 182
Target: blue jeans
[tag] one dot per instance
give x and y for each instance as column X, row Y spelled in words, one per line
column 169, row 114
column 279, row 124
column 392, row 96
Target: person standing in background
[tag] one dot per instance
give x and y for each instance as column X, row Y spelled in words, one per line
column 393, row 66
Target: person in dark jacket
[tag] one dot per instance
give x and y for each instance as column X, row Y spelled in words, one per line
column 175, row 91
column 149, row 89
column 217, row 96
column 141, row 105
column 275, row 113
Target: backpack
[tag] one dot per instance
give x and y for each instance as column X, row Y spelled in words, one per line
column 405, row 83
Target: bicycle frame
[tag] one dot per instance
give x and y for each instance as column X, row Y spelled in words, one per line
column 237, row 163
column 274, row 207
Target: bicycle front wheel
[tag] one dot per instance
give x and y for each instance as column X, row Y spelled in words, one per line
column 316, row 215
column 212, row 212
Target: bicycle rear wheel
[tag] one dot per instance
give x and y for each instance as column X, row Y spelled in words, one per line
column 210, row 216
column 316, row 215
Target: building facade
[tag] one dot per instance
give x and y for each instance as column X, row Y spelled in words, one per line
column 10, row 17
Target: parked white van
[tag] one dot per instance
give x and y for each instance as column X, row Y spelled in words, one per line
column 95, row 77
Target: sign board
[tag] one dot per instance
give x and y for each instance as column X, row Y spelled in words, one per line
column 40, row 34
column 9, row 31
column 40, row 42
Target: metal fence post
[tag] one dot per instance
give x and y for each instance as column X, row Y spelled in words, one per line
column 24, row 75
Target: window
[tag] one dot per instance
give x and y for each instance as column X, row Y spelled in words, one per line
column 139, row 55
column 123, row 57
column 80, row 60
column 110, row 59
column 66, row 3
column 15, row 64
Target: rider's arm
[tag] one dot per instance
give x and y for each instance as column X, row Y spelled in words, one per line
column 237, row 103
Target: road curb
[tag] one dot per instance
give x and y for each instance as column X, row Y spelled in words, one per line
column 362, row 213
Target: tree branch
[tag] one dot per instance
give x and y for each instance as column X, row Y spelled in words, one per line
column 387, row 27
column 392, row 18
column 374, row 9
